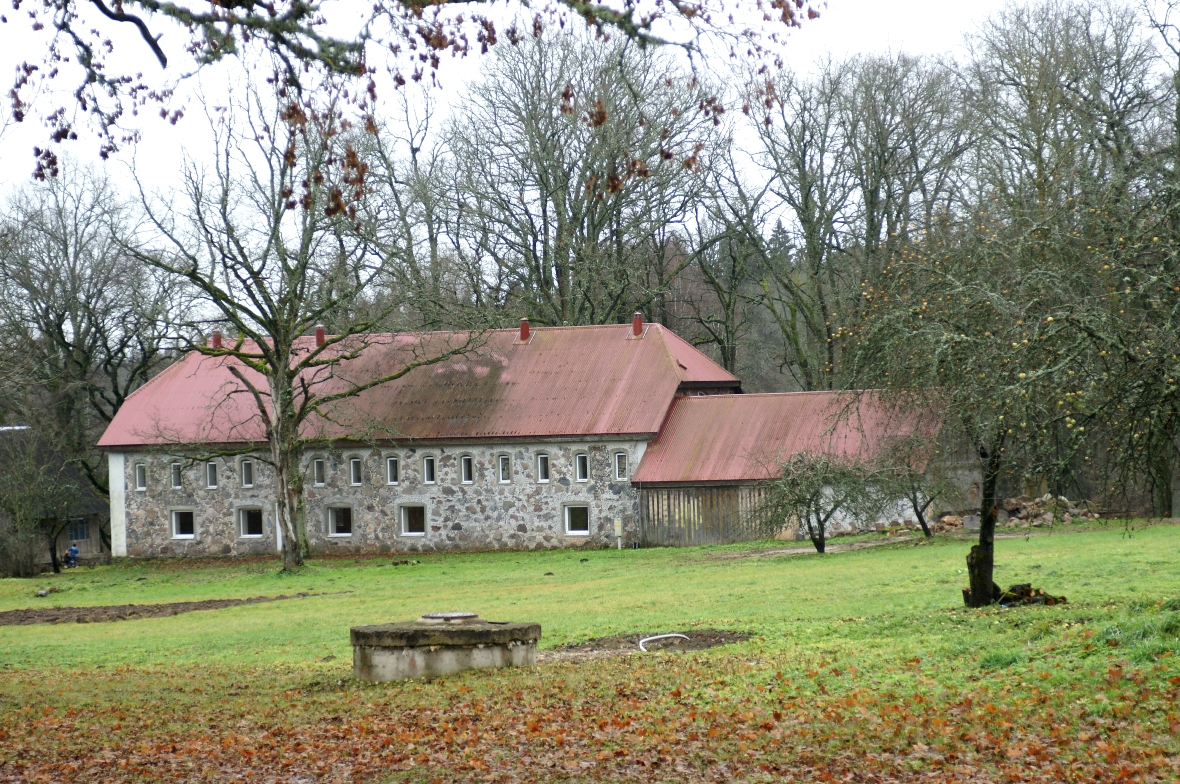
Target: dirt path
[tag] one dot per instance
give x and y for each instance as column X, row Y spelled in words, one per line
column 628, row 644
column 123, row 612
column 809, row 548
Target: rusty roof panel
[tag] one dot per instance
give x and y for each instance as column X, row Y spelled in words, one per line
column 566, row 381
column 742, row 438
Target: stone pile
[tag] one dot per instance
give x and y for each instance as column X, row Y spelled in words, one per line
column 947, row 523
column 1047, row 510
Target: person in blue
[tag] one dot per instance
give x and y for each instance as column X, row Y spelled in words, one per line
column 72, row 556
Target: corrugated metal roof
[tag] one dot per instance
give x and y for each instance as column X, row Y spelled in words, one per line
column 741, row 438
column 566, row 381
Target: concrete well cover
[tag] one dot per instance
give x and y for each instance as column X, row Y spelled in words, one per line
column 421, row 633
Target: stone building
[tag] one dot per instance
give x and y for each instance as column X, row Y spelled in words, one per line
column 537, row 438
column 527, row 440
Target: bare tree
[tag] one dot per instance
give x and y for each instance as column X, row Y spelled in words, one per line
column 275, row 242
column 84, row 325
column 573, row 163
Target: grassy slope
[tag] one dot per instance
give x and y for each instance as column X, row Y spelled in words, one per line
column 865, row 615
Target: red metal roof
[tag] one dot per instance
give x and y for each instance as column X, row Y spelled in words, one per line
column 740, row 438
column 566, row 381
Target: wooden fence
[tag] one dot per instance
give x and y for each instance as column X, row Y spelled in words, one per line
column 676, row 516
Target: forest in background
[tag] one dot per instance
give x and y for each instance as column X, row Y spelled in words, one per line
column 995, row 234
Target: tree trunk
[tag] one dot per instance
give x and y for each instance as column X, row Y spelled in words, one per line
column 285, row 454
column 816, row 533
column 981, row 559
column 53, row 551
column 918, row 513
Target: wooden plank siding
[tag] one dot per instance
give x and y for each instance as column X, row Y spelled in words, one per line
column 678, row 516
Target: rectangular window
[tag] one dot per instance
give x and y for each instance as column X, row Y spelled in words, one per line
column 249, row 523
column 582, row 468
column 340, row 521
column 428, row 470
column 413, row 521
column 182, row 525
column 211, row 475
column 466, row 469
column 247, row 473
column 79, row 531
column 620, row 465
column 391, row 471
column 354, row 470
column 140, row 476
column 542, row 468
column 177, row 475
column 577, row 520
column 505, row 469
column 317, row 471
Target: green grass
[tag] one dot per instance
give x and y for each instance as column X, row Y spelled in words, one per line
column 887, row 620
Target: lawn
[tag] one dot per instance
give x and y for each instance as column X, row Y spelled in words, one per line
column 863, row 666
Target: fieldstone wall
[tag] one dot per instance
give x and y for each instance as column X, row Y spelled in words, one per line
column 482, row 515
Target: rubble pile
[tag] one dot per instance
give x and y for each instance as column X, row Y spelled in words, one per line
column 1021, row 594
column 947, row 523
column 1024, row 593
column 1047, row 510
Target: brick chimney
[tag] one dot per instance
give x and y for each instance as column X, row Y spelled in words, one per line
column 216, row 338
column 319, row 335
column 637, row 324
column 524, row 330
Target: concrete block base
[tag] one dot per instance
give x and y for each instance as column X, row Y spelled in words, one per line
column 395, row 664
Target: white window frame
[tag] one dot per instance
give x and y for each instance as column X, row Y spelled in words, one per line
column 392, row 477
column 140, row 477
column 247, row 465
column 177, row 476
column 543, row 475
column 466, row 469
column 504, row 466
column 356, row 471
column 211, row 475
column 332, row 522
column 404, row 519
column 241, row 513
column 579, row 475
column 172, row 513
column 620, row 474
column 319, row 472
column 429, row 470
column 566, row 515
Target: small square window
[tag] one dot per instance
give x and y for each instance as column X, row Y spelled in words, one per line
column 355, row 473
column 182, row 525
column 428, row 470
column 318, row 474
column 211, row 475
column 505, row 469
column 140, row 476
column 177, row 476
column 340, row 521
column 582, row 468
column 391, row 471
column 466, row 469
column 250, row 523
column 542, row 468
column 79, row 531
column 247, row 473
column 620, row 465
column 577, row 520
column 413, row 521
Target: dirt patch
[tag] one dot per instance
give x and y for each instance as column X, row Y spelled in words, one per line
column 124, row 612
column 628, row 644
column 810, row 548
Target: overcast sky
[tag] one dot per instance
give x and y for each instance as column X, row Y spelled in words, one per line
column 844, row 27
